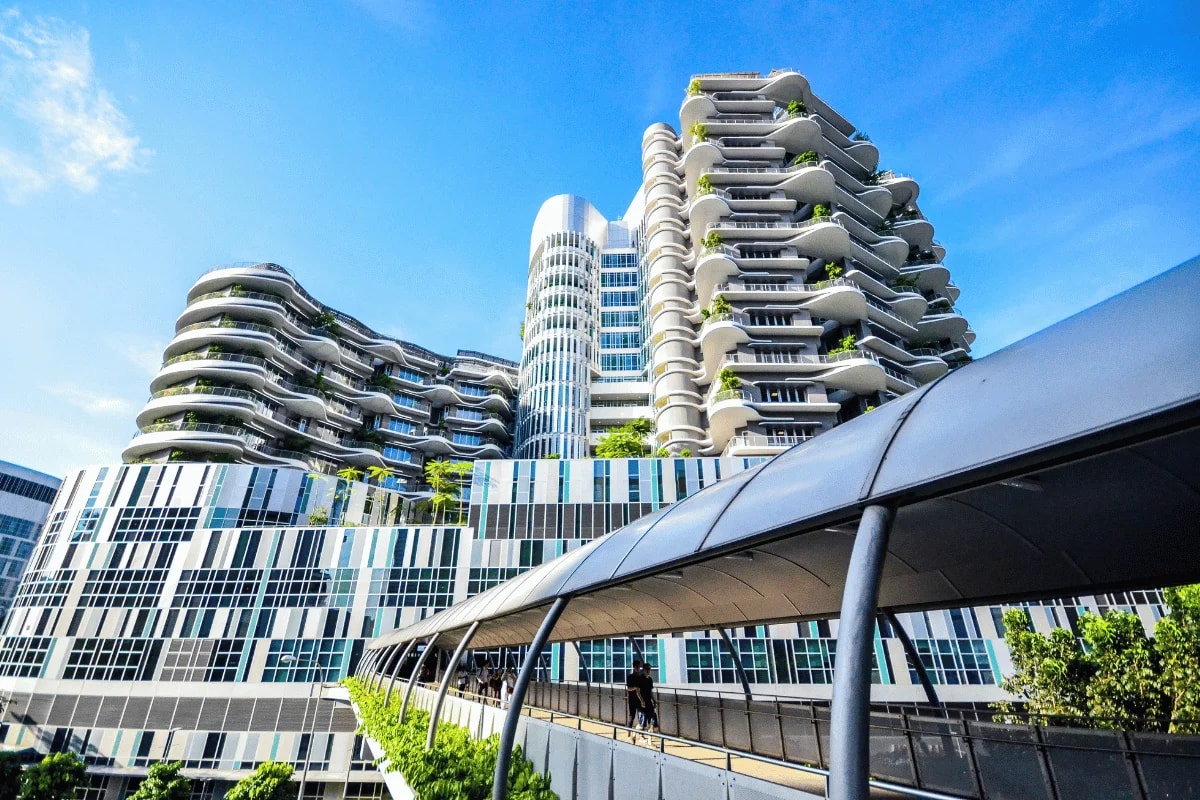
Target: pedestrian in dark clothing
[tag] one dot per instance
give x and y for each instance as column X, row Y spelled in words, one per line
column 649, row 704
column 633, row 687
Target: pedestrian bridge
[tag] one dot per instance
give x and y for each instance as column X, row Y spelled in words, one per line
column 724, row 746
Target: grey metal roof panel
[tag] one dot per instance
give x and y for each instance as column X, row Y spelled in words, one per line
column 1104, row 366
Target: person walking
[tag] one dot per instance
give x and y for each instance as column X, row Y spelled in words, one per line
column 633, row 687
column 649, row 702
column 508, row 687
column 484, row 678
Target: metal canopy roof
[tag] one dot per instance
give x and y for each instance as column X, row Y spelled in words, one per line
column 1064, row 464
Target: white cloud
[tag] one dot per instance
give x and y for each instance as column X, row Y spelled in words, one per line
column 69, row 129
column 146, row 357
column 89, row 401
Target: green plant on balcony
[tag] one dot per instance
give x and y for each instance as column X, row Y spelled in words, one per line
column 820, row 211
column 886, row 227
column 805, row 157
column 699, row 131
column 685, row 453
column 521, row 332
column 318, row 516
column 552, row 456
column 227, row 322
column 904, row 282
column 796, row 108
column 703, row 186
column 693, row 87
column 203, row 386
column 868, row 409
column 873, row 178
column 177, row 455
column 720, row 305
column 833, row 271
column 711, row 241
column 371, row 435
column 728, row 380
column 325, row 320
column 860, row 136
column 237, row 290
column 190, row 421
column 846, row 344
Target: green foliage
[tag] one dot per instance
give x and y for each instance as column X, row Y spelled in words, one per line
column 10, row 774
column 729, row 380
column 445, row 478
column 350, row 474
column 833, row 271
column 326, row 321
column 805, row 157
column 626, row 441
column 703, row 185
column 456, row 768
column 685, row 453
column 1119, row 678
column 711, row 241
column 1177, row 642
column 237, row 290
column 796, row 107
column 271, row 781
column 58, row 776
column 318, row 516
column 845, row 345
column 552, row 456
column 860, row 136
column 694, row 87
column 720, row 305
column 521, row 332
column 699, row 131
column 820, row 211
column 380, row 474
column 163, row 782
column 381, row 381
column 662, row 452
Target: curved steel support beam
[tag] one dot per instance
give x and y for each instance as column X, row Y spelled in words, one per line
column 737, row 663
column 445, row 684
column 375, row 678
column 412, row 679
column 509, row 735
column 587, row 673
column 849, row 726
column 914, row 658
column 396, row 667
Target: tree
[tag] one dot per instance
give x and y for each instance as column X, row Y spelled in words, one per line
column 59, row 776
column 627, row 441
column 350, row 474
column 163, row 782
column 10, row 774
column 380, row 474
column 271, row 781
column 445, row 478
column 1177, row 641
column 1117, row 677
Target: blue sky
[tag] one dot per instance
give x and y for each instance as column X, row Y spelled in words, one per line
column 393, row 155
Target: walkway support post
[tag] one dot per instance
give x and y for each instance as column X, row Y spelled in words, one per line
column 850, row 717
column 509, row 735
column 375, row 679
column 587, row 673
column 396, row 667
column 412, row 679
column 737, row 663
column 914, row 658
column 445, row 684
column 365, row 663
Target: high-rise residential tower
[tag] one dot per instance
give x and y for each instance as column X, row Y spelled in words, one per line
column 25, row 498
column 261, row 372
column 770, row 281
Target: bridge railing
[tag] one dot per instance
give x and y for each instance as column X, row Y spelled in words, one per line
column 962, row 757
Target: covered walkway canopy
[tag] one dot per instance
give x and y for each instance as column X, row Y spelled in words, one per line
column 1067, row 463
column 1064, row 464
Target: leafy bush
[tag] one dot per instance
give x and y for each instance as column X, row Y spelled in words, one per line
column 456, row 768
column 271, row 781
column 58, row 776
column 694, row 87
column 699, row 131
column 729, row 380
column 626, row 441
column 820, row 211
column 845, row 345
column 711, row 241
column 703, row 185
column 163, row 782
column 833, row 271
column 860, row 136
column 796, row 107
column 10, row 774
column 805, row 157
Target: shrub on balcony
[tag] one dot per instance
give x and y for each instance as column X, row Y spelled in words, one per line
column 703, row 185
column 382, row 381
column 662, row 452
column 833, row 271
column 521, row 332
column 820, row 211
column 805, row 157
column 720, row 305
column 325, row 320
column 699, row 131
column 227, row 322
column 625, row 441
column 711, row 241
column 846, row 344
column 729, row 380
column 693, row 87
column 796, row 107
column 860, row 136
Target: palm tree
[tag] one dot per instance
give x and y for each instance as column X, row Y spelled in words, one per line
column 350, row 474
column 460, row 470
column 380, row 474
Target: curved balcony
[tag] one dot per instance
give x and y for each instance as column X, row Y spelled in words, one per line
column 729, row 410
column 719, row 334
column 207, row 400
column 762, row 444
column 854, row 370
column 225, row 367
column 211, row 303
column 218, row 439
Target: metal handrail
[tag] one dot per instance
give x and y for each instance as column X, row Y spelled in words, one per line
column 265, row 297
column 198, row 427
column 236, row 357
column 175, row 391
